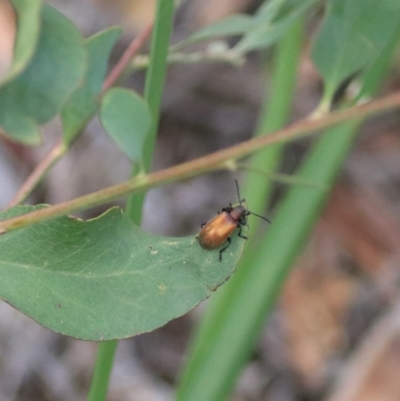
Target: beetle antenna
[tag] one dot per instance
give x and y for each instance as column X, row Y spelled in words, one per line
column 261, row 217
column 242, row 200
column 238, row 192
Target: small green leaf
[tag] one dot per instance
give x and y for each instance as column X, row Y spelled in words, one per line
column 236, row 24
column 37, row 94
column 105, row 278
column 82, row 104
column 267, row 30
column 268, row 10
column 351, row 37
column 28, row 26
column 372, row 78
column 126, row 118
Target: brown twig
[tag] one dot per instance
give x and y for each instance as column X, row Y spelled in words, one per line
column 218, row 160
column 125, row 59
column 37, row 174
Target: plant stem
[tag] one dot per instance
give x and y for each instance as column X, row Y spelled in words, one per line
column 38, row 173
column 222, row 159
column 210, row 350
column 141, row 62
column 154, row 86
column 102, row 371
column 126, row 58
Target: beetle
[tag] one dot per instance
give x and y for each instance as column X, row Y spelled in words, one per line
column 218, row 230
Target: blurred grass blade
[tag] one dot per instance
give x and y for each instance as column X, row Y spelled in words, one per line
column 215, row 333
column 230, row 328
column 154, row 86
column 273, row 116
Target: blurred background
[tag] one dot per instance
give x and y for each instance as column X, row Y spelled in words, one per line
column 335, row 332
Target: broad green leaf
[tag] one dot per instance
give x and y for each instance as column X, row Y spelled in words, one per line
column 236, row 24
column 37, row 94
column 105, row 278
column 351, row 37
column 83, row 103
column 267, row 32
column 27, row 35
column 126, row 118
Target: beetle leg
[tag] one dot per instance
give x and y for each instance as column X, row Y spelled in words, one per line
column 224, row 248
column 202, row 225
column 240, row 232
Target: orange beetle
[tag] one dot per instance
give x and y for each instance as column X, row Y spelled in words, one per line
column 217, row 231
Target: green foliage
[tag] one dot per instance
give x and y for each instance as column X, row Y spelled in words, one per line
column 84, row 102
column 239, row 310
column 352, row 37
column 236, row 311
column 126, row 118
column 266, row 27
column 37, row 94
column 237, row 24
column 268, row 31
column 105, row 278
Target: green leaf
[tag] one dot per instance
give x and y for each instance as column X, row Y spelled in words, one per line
column 82, row 104
column 126, row 118
column 236, row 24
column 28, row 26
column 351, row 37
column 105, row 278
column 267, row 32
column 37, row 94
column 268, row 10
column 372, row 77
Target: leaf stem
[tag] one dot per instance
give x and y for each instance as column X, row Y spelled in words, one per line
column 141, row 62
column 126, row 58
column 154, row 86
column 38, row 173
column 102, row 370
column 215, row 161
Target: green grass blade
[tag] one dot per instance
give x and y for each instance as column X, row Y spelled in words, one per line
column 102, row 371
column 233, row 326
column 213, row 343
column 274, row 114
column 154, row 86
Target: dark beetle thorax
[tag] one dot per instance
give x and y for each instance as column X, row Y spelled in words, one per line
column 238, row 212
